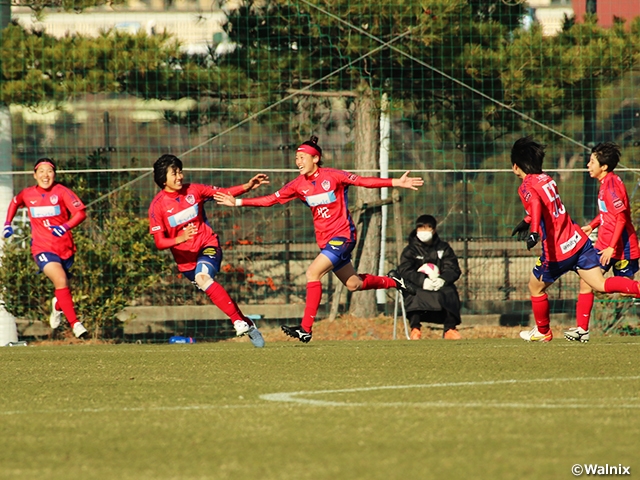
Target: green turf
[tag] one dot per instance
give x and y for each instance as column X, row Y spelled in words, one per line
column 454, row 410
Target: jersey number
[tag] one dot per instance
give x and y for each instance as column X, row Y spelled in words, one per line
column 552, row 193
column 323, row 212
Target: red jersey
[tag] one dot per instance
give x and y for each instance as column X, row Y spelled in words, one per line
column 325, row 192
column 613, row 204
column 171, row 212
column 47, row 208
column 561, row 237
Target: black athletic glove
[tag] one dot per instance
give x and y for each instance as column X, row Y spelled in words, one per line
column 532, row 240
column 522, row 229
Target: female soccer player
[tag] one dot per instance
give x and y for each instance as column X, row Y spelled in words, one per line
column 324, row 190
column 617, row 243
column 177, row 221
column 564, row 244
column 53, row 211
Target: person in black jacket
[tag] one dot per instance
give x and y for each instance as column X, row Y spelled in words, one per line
column 431, row 263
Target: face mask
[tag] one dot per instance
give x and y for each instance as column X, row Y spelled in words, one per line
column 424, row 236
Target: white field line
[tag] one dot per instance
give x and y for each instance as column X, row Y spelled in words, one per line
column 294, row 397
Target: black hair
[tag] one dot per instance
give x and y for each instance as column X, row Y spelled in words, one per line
column 43, row 160
column 528, row 155
column 607, row 153
column 313, row 142
column 426, row 220
column 161, row 168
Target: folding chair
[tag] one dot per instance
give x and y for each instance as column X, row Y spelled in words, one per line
column 400, row 300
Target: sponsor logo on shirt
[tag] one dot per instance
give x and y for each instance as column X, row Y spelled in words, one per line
column 277, row 194
column 156, row 228
column 183, row 216
column 326, row 184
column 602, row 206
column 190, row 199
column 321, row 199
column 570, row 244
column 353, row 177
column 618, row 203
column 76, row 203
column 54, row 199
column 42, row 212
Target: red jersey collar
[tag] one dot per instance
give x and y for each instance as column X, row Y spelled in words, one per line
column 314, row 175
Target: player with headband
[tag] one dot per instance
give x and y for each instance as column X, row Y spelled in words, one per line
column 53, row 211
column 177, row 221
column 324, row 191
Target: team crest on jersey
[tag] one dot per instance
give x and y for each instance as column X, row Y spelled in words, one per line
column 326, row 184
column 54, row 199
column 190, row 199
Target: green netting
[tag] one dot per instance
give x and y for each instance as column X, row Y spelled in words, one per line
column 440, row 88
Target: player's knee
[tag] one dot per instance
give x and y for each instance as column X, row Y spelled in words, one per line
column 354, row 284
column 204, row 281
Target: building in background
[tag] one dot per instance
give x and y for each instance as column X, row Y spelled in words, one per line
column 607, row 10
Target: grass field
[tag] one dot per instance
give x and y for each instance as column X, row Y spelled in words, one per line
column 486, row 408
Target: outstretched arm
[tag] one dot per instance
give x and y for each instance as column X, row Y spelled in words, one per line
column 230, row 201
column 374, row 182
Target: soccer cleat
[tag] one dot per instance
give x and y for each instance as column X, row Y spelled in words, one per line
column 578, row 334
column 415, row 334
column 79, row 331
column 255, row 336
column 297, row 332
column 56, row 315
column 401, row 284
column 534, row 335
column 241, row 327
column 453, row 334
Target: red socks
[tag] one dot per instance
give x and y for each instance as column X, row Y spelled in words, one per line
column 65, row 303
column 583, row 309
column 621, row 285
column 374, row 282
column 540, row 306
column 223, row 301
column 314, row 296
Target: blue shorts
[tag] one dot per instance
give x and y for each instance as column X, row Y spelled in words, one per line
column 622, row 268
column 43, row 258
column 338, row 250
column 584, row 259
column 209, row 260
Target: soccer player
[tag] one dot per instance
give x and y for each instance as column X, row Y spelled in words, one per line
column 565, row 246
column 53, row 211
column 617, row 243
column 324, row 190
column 177, row 221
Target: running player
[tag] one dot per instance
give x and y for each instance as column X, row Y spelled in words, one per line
column 564, row 244
column 617, row 243
column 324, row 190
column 177, row 221
column 53, row 211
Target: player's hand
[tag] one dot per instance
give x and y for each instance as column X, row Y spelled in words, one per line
column 522, row 229
column 405, row 181
column 587, row 230
column 59, row 230
column 605, row 256
column 255, row 182
column 7, row 231
column 433, row 285
column 189, row 231
column 225, row 199
column 532, row 240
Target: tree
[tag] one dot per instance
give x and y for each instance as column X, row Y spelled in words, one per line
column 466, row 70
